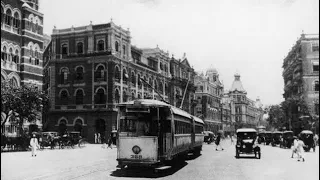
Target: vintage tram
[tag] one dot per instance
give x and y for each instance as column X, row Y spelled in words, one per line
column 151, row 133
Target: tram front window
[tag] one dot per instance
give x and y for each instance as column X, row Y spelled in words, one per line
column 138, row 125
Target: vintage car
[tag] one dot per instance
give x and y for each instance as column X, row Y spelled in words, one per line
column 307, row 138
column 208, row 136
column 262, row 137
column 276, row 138
column 268, row 137
column 247, row 142
column 287, row 139
column 48, row 139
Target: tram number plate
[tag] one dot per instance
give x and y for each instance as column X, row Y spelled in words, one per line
column 136, row 156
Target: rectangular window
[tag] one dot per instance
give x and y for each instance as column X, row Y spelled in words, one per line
column 315, row 66
column 315, row 46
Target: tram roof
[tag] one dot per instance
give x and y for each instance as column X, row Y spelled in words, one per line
column 151, row 102
column 196, row 119
column 145, row 102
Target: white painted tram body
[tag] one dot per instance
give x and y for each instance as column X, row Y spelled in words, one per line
column 151, row 132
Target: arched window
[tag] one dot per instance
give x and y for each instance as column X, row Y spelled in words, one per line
column 139, row 80
column 16, row 20
column 166, row 90
column 124, row 50
column 117, row 46
column 117, row 96
column 101, row 45
column 10, row 54
column 132, row 96
column 80, row 48
column 78, row 125
column 133, row 78
column 160, row 87
column 100, row 96
column 139, row 96
column 2, row 15
column 117, row 73
column 99, row 74
column 79, row 73
column 64, row 75
column 155, row 85
column 14, row 82
column 144, row 84
column 79, row 96
column 125, row 96
column 151, row 82
column 125, row 75
column 316, row 86
column 64, row 49
column 64, row 97
column 62, row 126
column 16, row 57
column 8, row 17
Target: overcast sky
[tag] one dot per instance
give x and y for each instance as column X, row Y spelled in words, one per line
column 250, row 37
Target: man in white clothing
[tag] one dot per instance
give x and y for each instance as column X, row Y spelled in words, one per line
column 34, row 145
column 300, row 149
column 295, row 146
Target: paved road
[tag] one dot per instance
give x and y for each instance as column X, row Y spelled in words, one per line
column 93, row 162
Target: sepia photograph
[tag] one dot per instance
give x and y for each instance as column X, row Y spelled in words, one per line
column 159, row 89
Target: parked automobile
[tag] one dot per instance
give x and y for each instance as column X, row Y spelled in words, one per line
column 247, row 142
column 268, row 137
column 307, row 138
column 276, row 138
column 287, row 139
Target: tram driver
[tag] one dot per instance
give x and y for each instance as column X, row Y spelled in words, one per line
column 142, row 128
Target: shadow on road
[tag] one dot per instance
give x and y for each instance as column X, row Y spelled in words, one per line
column 246, row 157
column 145, row 172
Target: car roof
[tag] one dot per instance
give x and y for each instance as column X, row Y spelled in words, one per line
column 306, row 132
column 246, row 130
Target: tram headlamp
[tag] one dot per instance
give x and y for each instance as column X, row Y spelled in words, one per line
column 136, row 149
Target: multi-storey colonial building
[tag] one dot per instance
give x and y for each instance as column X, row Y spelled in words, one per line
column 209, row 94
column 301, row 79
column 21, row 45
column 90, row 69
column 248, row 113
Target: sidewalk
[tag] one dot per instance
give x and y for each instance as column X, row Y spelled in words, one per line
column 20, row 165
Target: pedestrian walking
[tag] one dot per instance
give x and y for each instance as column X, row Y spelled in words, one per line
column 34, row 145
column 295, row 146
column 315, row 139
column 231, row 138
column 110, row 142
column 95, row 138
column 217, row 142
column 300, row 149
column 99, row 138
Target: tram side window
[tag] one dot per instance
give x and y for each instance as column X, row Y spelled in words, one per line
column 198, row 129
column 182, row 127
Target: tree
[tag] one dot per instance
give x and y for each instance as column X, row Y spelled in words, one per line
column 277, row 117
column 24, row 103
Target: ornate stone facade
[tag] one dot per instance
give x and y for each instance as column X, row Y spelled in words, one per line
column 21, row 46
column 90, row 69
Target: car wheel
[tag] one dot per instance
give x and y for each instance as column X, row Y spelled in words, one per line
column 237, row 154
